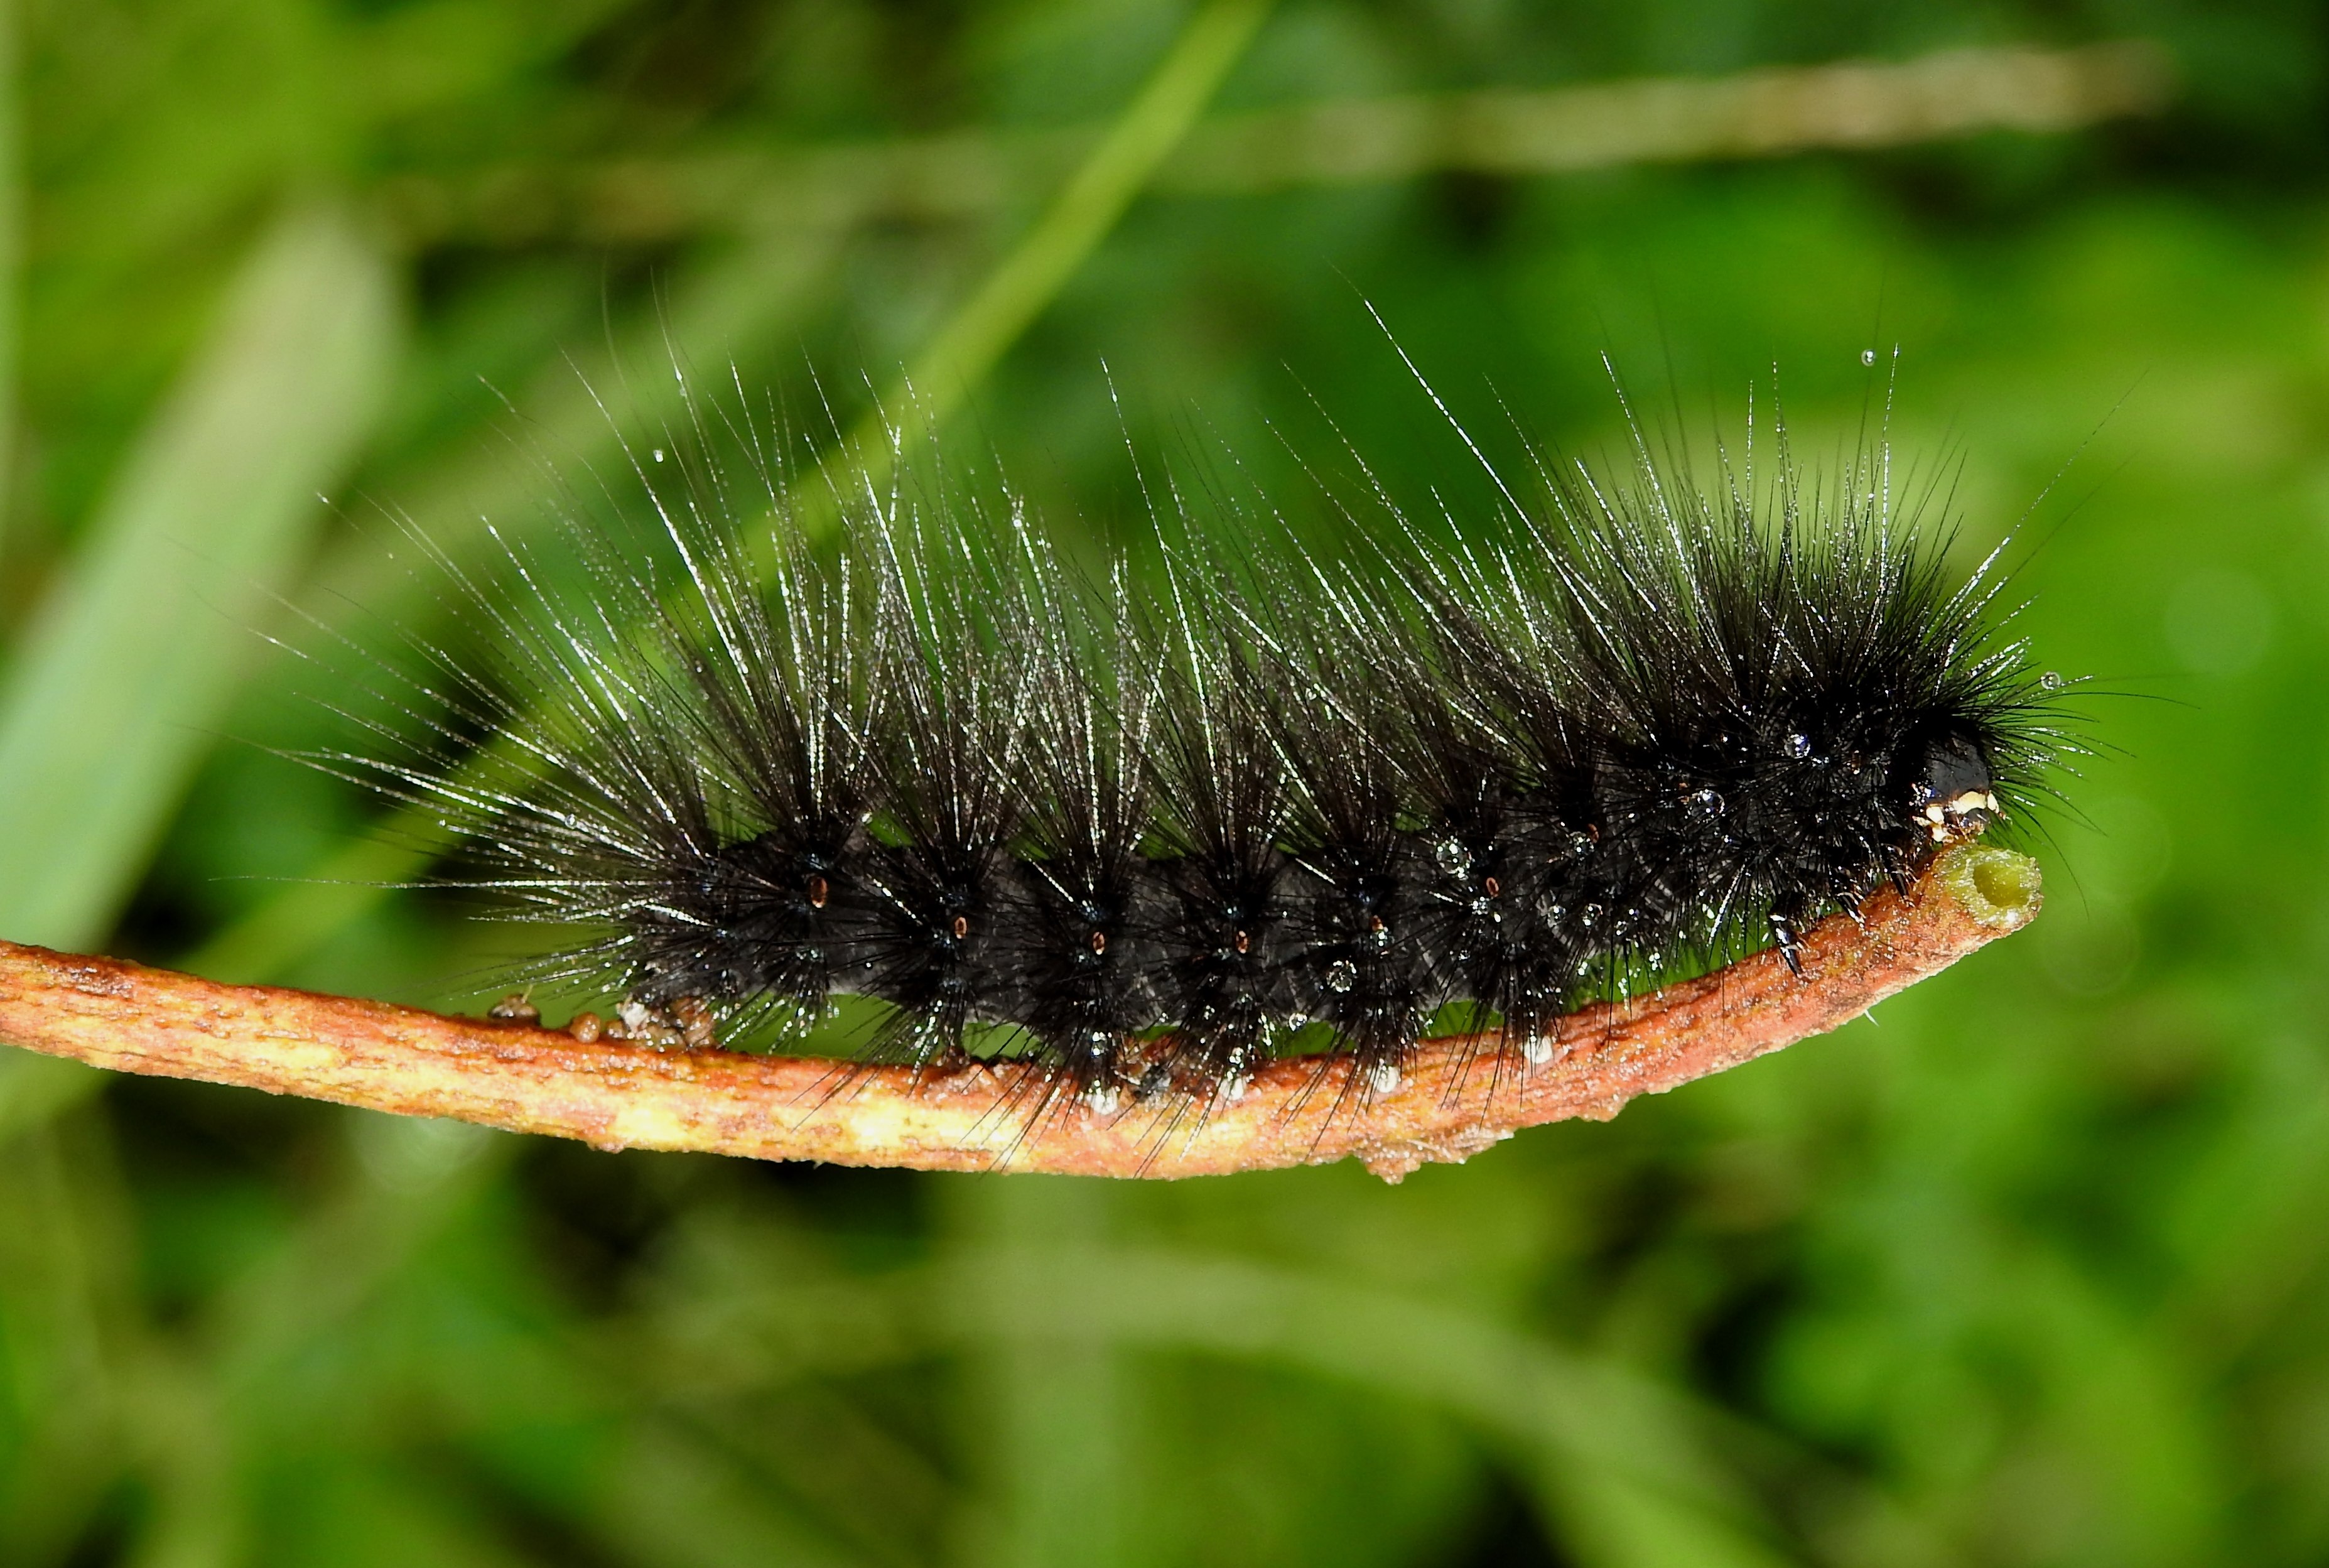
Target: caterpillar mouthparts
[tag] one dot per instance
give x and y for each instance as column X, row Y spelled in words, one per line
column 1612, row 734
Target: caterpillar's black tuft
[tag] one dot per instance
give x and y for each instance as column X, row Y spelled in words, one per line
column 1627, row 728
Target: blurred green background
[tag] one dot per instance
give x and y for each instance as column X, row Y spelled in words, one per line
column 2033, row 1269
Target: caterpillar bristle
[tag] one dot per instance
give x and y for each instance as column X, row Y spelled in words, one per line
column 1631, row 728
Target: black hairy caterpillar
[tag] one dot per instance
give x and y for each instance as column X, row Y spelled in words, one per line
column 1619, row 731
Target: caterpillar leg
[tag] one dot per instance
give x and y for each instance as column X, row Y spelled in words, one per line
column 1787, row 932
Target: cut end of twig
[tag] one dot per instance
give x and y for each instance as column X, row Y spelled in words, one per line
column 2000, row 889
column 1454, row 1098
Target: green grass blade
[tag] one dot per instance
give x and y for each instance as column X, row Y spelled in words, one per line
column 137, row 651
column 12, row 249
column 747, row 298
column 1026, row 281
column 279, row 933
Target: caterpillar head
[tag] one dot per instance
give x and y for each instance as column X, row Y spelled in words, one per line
column 1952, row 794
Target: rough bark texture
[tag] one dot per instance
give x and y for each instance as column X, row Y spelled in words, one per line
column 1458, row 1096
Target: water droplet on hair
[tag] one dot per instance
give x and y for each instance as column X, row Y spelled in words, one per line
column 1703, row 804
column 658, row 454
column 1453, row 857
column 1103, row 1098
column 1797, row 745
column 1537, row 1049
column 1383, row 1077
column 1341, row 975
column 1867, row 356
column 2053, row 681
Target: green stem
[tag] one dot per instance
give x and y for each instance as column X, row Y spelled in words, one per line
column 298, row 921
column 1026, row 281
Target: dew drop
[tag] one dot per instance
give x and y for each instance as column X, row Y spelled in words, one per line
column 1703, row 804
column 1341, row 975
column 2052, row 680
column 1797, row 745
column 658, row 454
column 1453, row 857
column 1867, row 356
column 1384, row 1077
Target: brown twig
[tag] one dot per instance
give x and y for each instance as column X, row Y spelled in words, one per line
column 1455, row 1098
column 970, row 173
